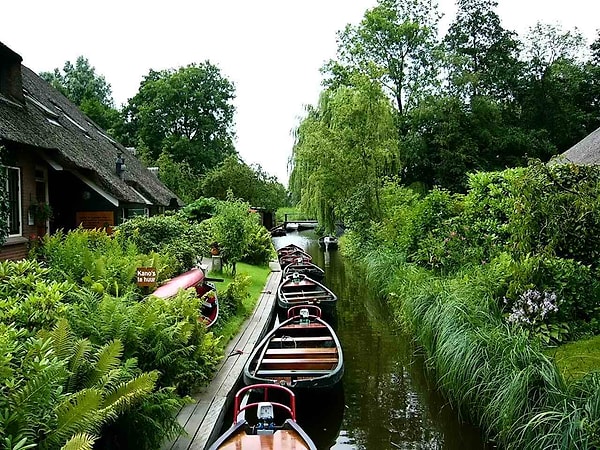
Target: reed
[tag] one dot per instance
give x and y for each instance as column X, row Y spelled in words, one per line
column 495, row 374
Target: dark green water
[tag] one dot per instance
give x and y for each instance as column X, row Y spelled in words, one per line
column 385, row 400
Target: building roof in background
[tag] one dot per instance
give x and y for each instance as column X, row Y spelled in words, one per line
column 586, row 151
column 51, row 122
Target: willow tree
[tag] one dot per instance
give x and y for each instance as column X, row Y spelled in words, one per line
column 344, row 148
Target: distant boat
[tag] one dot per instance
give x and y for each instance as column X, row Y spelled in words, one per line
column 267, row 431
column 205, row 290
column 298, row 289
column 290, row 248
column 279, row 230
column 302, row 353
column 298, row 256
column 309, row 269
column 328, row 242
column 291, row 226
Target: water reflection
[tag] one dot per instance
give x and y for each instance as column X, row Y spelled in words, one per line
column 386, row 400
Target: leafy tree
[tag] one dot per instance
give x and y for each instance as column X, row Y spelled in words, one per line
column 344, row 147
column 395, row 45
column 186, row 113
column 482, row 57
column 233, row 226
column 251, row 184
column 88, row 90
column 179, row 177
column 551, row 94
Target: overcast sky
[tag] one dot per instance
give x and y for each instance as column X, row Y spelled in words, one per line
column 271, row 49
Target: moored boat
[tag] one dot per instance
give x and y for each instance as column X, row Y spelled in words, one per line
column 294, row 257
column 328, row 242
column 267, row 432
column 307, row 268
column 205, row 290
column 299, row 289
column 303, row 352
column 290, row 248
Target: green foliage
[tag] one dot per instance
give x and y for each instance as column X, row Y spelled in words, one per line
column 167, row 235
column 250, row 184
column 343, row 148
column 95, row 259
column 162, row 334
column 233, row 227
column 200, row 209
column 232, row 299
column 260, row 246
column 187, row 113
column 89, row 91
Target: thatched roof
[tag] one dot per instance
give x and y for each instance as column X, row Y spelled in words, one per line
column 586, row 151
column 50, row 122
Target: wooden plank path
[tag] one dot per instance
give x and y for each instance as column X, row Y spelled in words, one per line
column 203, row 419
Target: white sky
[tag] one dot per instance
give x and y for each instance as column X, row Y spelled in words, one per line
column 271, row 49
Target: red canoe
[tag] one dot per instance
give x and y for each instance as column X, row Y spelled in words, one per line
column 205, row 290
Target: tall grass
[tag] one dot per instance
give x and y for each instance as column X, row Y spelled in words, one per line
column 493, row 373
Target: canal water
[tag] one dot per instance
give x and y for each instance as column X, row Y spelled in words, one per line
column 385, row 400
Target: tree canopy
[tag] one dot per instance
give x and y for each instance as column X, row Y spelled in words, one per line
column 88, row 90
column 251, row 184
column 186, row 113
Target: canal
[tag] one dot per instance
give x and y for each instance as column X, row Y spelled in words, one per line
column 385, row 400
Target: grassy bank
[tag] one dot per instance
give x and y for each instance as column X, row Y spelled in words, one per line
column 256, row 277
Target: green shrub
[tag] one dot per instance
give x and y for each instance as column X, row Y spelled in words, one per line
column 172, row 235
column 95, row 259
column 232, row 298
column 260, row 246
column 163, row 334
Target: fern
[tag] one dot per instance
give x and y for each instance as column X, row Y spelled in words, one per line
column 81, row 441
column 126, row 394
column 77, row 413
column 108, row 358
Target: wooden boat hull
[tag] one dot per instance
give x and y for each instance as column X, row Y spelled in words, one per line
column 290, row 248
column 307, row 268
column 267, row 430
column 302, row 290
column 195, row 278
column 297, row 355
column 294, row 257
column 291, row 437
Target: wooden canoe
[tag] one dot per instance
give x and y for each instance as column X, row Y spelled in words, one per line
column 290, row 248
column 266, row 433
column 303, row 352
column 309, row 269
column 294, row 257
column 205, row 290
column 299, row 289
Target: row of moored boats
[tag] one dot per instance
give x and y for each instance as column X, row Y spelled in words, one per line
column 302, row 353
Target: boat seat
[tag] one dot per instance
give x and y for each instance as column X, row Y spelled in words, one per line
column 287, row 373
column 314, row 352
column 299, row 363
column 302, row 339
column 295, row 326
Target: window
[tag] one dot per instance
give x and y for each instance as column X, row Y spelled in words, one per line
column 13, row 186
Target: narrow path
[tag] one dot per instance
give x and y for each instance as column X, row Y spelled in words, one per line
column 203, row 419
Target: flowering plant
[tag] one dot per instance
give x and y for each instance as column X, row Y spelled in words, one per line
column 531, row 311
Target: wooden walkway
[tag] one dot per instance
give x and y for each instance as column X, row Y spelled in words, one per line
column 203, row 419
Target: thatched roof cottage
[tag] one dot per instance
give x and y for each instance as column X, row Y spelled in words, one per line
column 55, row 155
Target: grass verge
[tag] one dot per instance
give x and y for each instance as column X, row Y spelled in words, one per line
column 258, row 278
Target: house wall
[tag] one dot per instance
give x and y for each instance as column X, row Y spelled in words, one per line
column 17, row 247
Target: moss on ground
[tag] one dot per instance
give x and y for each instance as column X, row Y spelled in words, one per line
column 577, row 359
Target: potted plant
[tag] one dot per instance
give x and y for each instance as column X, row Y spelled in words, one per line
column 41, row 213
